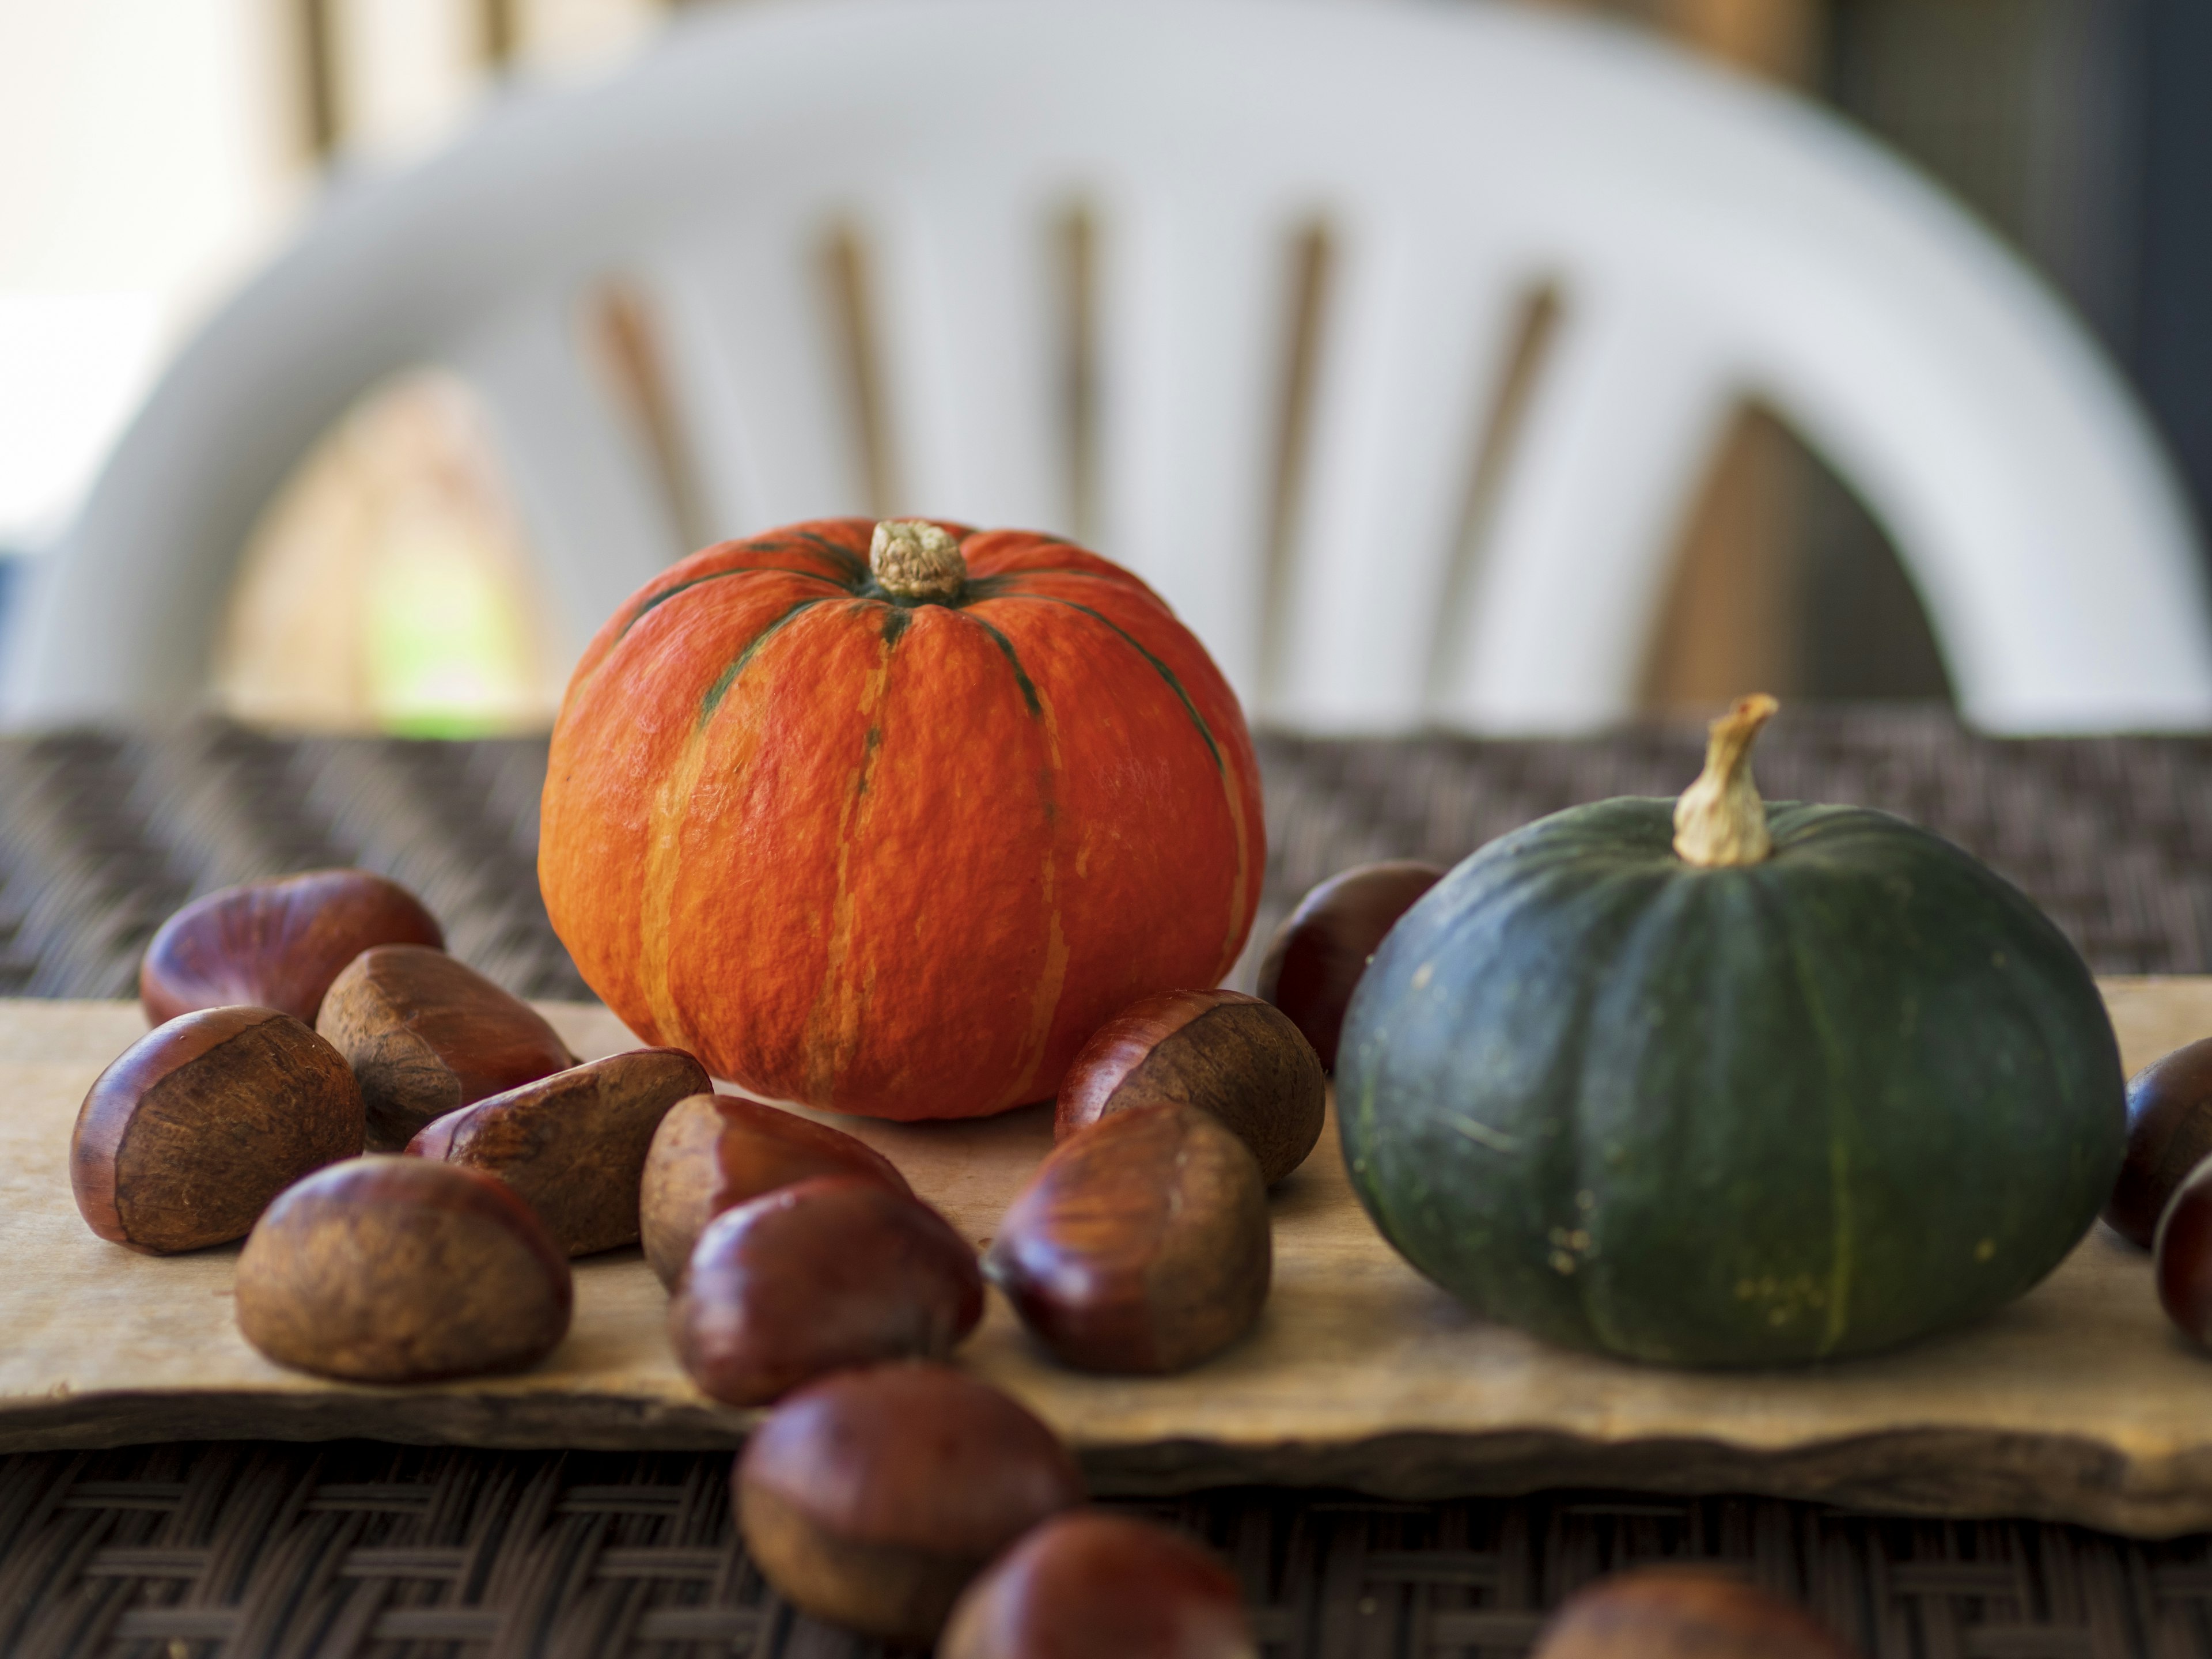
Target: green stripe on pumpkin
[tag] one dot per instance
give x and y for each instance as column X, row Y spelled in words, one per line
column 728, row 677
column 668, row 594
column 1159, row 667
column 1021, row 674
column 853, row 564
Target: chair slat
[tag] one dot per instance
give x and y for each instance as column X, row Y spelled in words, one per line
column 1573, row 566
column 1194, row 327
column 972, row 355
column 1414, row 348
column 586, row 488
column 756, row 370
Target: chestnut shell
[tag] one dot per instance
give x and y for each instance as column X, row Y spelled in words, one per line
column 871, row 1498
column 183, row 1141
column 1315, row 959
column 2182, row 1256
column 390, row 1269
column 713, row 1152
column 277, row 944
column 1089, row 1584
column 1142, row 1245
column 425, row 1034
column 573, row 1144
column 1233, row 1055
column 820, row 1276
column 1681, row 1612
column 2169, row 1134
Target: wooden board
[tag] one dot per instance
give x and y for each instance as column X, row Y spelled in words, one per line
column 2076, row 1403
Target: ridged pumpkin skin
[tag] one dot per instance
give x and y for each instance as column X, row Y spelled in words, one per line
column 1794, row 1110
column 890, row 856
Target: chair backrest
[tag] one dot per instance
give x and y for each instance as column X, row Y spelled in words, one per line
column 1706, row 241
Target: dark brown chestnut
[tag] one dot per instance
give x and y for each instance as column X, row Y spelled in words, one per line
column 573, row 1144
column 821, row 1276
column 2169, row 1134
column 1230, row 1054
column 385, row 1269
column 183, row 1141
column 277, row 944
column 1313, row 961
column 1089, row 1585
column 873, row 1497
column 1141, row 1245
column 425, row 1034
column 713, row 1152
column 2182, row 1256
column 1681, row 1612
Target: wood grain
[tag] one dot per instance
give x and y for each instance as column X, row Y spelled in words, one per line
column 2076, row 1403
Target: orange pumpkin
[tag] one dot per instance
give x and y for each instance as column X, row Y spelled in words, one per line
column 889, row 819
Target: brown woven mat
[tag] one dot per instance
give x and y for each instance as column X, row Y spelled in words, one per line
column 389, row 1552
column 235, row 1549
column 101, row 835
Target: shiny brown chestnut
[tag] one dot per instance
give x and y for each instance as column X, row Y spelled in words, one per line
column 573, row 1144
column 425, row 1034
column 871, row 1498
column 1680, row 1612
column 277, row 944
column 2181, row 1256
column 183, row 1141
column 824, row 1275
column 713, row 1152
column 386, row 1269
column 1230, row 1054
column 2169, row 1134
column 1092, row 1585
column 1315, row 959
column 1141, row 1245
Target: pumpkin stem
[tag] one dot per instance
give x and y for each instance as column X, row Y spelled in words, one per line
column 913, row 559
column 1720, row 819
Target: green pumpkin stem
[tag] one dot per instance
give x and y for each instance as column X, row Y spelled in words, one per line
column 913, row 559
column 1720, row 819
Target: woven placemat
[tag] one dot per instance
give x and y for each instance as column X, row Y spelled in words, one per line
column 390, row 1552
column 191, row 1551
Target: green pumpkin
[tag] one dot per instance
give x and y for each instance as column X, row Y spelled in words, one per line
column 1742, row 1111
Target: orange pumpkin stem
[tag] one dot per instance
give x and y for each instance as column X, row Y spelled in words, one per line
column 913, row 559
column 1720, row 819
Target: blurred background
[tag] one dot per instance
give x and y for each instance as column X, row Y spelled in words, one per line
column 152, row 152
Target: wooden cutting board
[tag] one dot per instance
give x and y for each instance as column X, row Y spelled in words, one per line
column 2076, row 1403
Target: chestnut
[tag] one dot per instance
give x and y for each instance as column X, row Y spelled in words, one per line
column 1680, row 1612
column 2181, row 1256
column 276, row 943
column 573, row 1144
column 715, row 1151
column 183, row 1141
column 2169, row 1134
column 1089, row 1585
column 871, row 1498
column 425, row 1034
column 831, row 1272
column 1315, row 959
column 1141, row 1245
column 1230, row 1054
column 385, row 1269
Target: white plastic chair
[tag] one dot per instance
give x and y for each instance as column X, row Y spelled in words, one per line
column 1707, row 241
